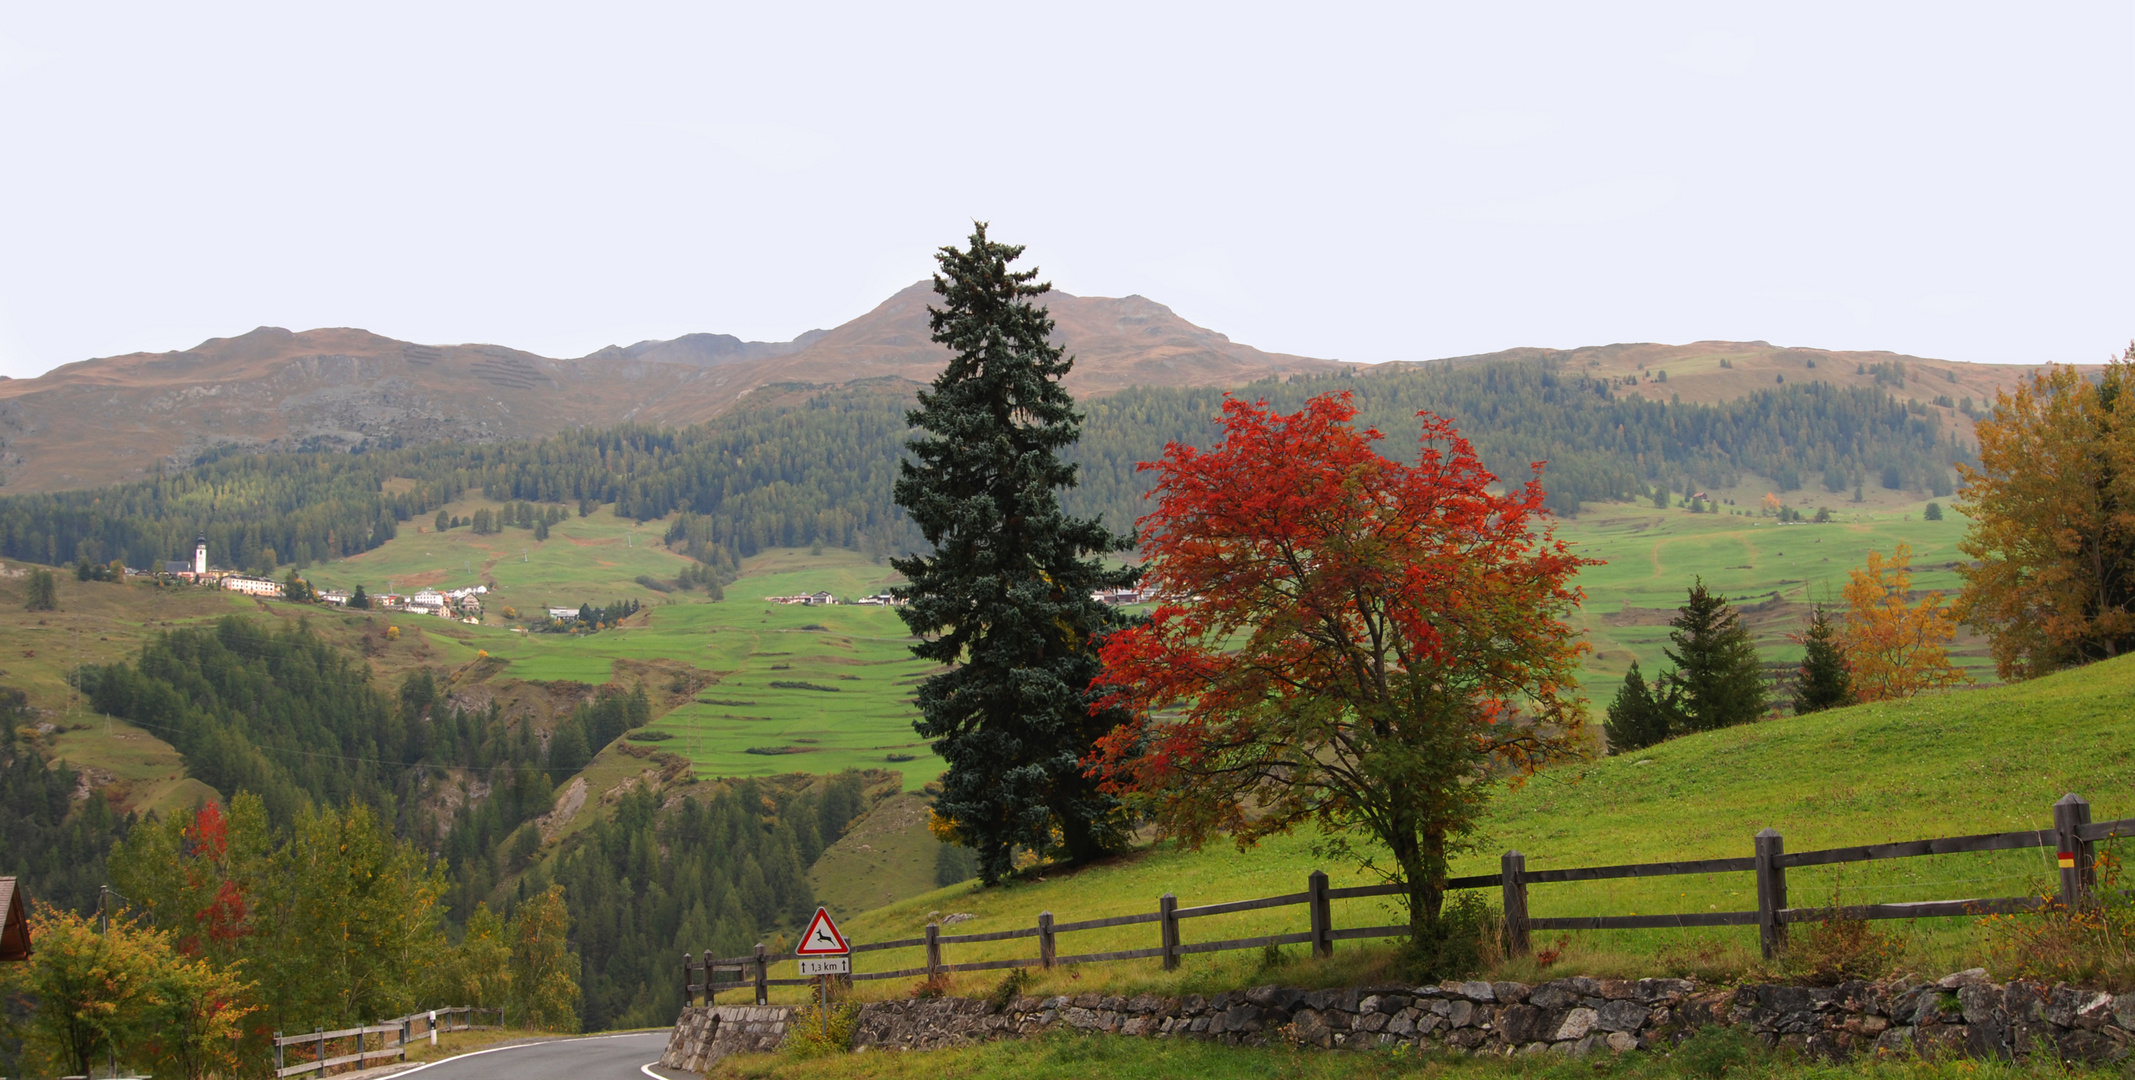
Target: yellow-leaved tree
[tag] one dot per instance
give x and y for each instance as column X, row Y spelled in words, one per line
column 544, row 972
column 125, row 990
column 1895, row 648
column 2052, row 504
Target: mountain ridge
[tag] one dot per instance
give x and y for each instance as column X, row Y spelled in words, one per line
column 113, row 419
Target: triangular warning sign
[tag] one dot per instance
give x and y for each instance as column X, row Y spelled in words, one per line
column 822, row 937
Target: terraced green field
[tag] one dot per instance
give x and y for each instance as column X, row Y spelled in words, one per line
column 1775, row 573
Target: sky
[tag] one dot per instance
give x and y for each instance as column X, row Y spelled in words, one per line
column 1362, row 182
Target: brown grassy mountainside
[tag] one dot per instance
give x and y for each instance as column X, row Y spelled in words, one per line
column 117, row 418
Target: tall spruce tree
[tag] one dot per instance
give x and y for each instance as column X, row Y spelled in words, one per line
column 1004, row 599
column 1823, row 681
column 1637, row 719
column 1718, row 681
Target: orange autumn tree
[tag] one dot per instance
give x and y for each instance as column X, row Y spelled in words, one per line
column 1345, row 640
column 1895, row 648
column 2052, row 507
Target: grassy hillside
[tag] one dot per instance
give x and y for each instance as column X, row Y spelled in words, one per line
column 1775, row 573
column 857, row 655
column 1978, row 761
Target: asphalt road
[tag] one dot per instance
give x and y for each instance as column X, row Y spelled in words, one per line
column 599, row 1057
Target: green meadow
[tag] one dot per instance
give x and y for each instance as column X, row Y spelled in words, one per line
column 1944, row 765
column 819, row 689
column 1775, row 573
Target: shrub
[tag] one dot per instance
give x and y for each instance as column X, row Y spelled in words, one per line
column 811, row 1033
column 1838, row 949
column 1010, row 988
column 1468, row 940
column 2091, row 947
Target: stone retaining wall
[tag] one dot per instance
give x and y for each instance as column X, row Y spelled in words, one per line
column 1963, row 1014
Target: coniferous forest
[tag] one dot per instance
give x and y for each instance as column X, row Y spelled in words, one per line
column 287, row 716
column 820, row 471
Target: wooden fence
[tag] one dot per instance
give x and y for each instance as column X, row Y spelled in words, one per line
column 2072, row 837
column 393, row 1037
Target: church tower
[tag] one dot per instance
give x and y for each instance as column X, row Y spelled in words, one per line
column 200, row 555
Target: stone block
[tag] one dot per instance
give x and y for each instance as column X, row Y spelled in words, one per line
column 1622, row 1041
column 1575, row 1025
column 2094, row 1010
column 1663, row 991
column 1460, row 1013
column 1521, row 1024
column 1478, row 991
column 1509, row 993
column 1552, row 995
column 1621, row 1014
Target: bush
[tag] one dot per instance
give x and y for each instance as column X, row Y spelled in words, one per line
column 1838, row 949
column 1468, row 940
column 2091, row 947
column 810, row 1033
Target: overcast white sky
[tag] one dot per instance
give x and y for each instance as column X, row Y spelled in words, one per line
column 1398, row 181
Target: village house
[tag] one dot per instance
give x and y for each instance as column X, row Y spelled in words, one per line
column 252, row 586
column 14, row 928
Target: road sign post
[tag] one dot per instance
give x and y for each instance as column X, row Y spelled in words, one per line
column 823, row 952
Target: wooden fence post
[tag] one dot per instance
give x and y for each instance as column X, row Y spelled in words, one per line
column 1510, row 866
column 321, row 1033
column 1322, row 914
column 277, row 1051
column 1167, row 908
column 933, row 949
column 2073, row 853
column 689, row 996
column 1047, row 948
column 763, row 972
column 1771, row 893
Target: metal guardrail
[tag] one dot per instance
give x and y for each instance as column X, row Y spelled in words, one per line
column 393, row 1038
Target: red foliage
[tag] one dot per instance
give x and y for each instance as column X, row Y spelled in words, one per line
column 1335, row 621
column 221, row 918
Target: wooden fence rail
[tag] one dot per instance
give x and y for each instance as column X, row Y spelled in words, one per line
column 393, row 1037
column 2072, row 837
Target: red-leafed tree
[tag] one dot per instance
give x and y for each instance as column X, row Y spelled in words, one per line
column 1345, row 640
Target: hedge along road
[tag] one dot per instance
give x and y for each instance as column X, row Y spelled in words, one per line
column 600, row 1057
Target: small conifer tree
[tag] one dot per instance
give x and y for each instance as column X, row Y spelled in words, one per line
column 1718, row 680
column 1637, row 719
column 44, row 591
column 359, row 599
column 1822, row 682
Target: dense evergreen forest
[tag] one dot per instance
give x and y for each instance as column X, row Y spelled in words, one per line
column 59, row 856
column 290, row 717
column 820, row 471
